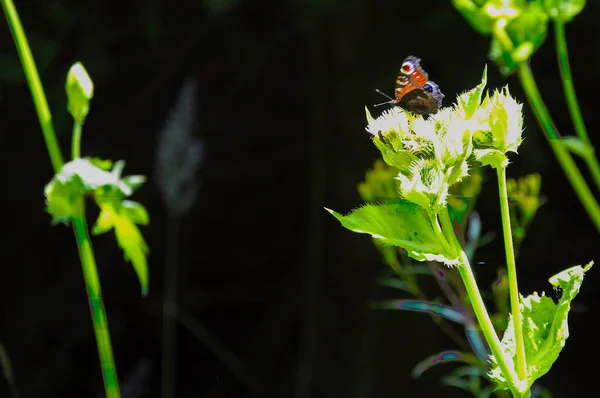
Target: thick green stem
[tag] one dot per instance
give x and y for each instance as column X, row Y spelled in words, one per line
column 92, row 284
column 483, row 318
column 512, row 275
column 569, row 88
column 35, row 85
column 563, row 156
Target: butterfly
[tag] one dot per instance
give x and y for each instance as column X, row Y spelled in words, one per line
column 414, row 91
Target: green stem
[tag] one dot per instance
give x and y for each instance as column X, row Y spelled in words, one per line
column 563, row 156
column 542, row 115
column 567, row 81
column 86, row 254
column 35, row 85
column 512, row 275
column 572, row 103
column 483, row 318
column 92, row 284
column 76, row 141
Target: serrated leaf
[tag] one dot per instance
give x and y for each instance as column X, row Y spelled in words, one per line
column 491, row 157
column 401, row 224
column 545, row 328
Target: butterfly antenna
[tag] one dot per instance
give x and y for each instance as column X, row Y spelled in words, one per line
column 384, row 94
column 391, row 101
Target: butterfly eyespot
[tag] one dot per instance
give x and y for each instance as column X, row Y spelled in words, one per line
column 427, row 87
column 407, row 67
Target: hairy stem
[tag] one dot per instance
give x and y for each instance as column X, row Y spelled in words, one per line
column 483, row 318
column 512, row 274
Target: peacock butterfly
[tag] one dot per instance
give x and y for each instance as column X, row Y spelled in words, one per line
column 414, row 91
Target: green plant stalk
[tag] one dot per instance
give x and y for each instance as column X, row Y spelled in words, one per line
column 76, row 141
column 92, row 284
column 567, row 81
column 483, row 318
column 542, row 115
column 35, row 84
column 582, row 190
column 572, row 103
column 86, row 254
column 512, row 275
column 170, row 309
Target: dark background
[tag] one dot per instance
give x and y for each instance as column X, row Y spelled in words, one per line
column 282, row 90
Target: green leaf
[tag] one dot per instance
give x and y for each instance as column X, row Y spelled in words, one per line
column 401, row 224
column 134, row 247
column 545, row 327
column 563, row 10
column 64, row 198
column 491, row 157
column 104, row 164
column 134, row 182
column 135, row 212
column 469, row 101
column 106, row 220
column 392, row 152
column 129, row 237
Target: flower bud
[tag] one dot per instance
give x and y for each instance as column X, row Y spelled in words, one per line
column 80, row 90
